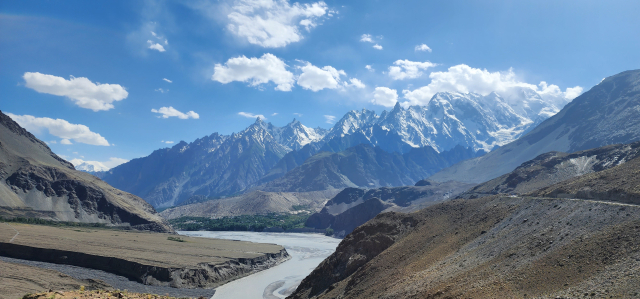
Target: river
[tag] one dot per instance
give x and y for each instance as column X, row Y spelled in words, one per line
column 306, row 250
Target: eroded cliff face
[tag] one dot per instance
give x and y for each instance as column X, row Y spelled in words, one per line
column 353, row 207
column 617, row 184
column 491, row 247
column 36, row 182
column 204, row 275
column 556, row 167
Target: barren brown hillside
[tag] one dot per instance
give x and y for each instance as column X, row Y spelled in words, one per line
column 491, row 247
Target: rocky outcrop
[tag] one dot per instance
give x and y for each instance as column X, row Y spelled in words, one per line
column 205, row 275
column 35, row 181
column 353, row 207
column 490, row 247
column 617, row 184
column 554, row 167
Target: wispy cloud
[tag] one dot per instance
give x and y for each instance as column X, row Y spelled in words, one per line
column 172, row 112
column 167, row 80
column 423, row 48
column 330, row 119
column 251, row 115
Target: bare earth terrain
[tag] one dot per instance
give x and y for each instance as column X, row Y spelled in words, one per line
column 17, row 280
column 490, row 247
column 149, row 258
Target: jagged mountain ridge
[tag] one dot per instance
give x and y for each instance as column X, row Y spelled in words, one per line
column 219, row 165
column 215, row 165
column 449, row 119
column 606, row 114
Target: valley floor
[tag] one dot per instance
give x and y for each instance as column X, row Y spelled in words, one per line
column 150, row 258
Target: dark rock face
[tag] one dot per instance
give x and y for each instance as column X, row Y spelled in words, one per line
column 353, row 207
column 358, row 248
column 34, row 181
column 606, row 114
column 212, row 166
column 366, row 167
column 554, row 167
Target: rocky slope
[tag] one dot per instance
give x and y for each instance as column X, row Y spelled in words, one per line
column 450, row 119
column 618, row 184
column 253, row 203
column 491, row 247
column 35, row 181
column 555, row 167
column 353, row 207
column 365, row 166
column 606, row 114
column 212, row 166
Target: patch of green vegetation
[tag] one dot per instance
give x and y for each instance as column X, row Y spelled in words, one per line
column 177, row 239
column 328, row 232
column 241, row 223
column 39, row 221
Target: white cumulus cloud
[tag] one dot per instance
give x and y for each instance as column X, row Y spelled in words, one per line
column 354, row 82
column 256, row 71
column 329, row 119
column 405, row 69
column 251, row 115
column 273, row 23
column 385, row 96
column 315, row 78
column 368, row 67
column 377, row 47
column 60, row 128
column 423, row 48
column 81, row 91
column 172, row 112
column 366, row 38
column 463, row 78
column 155, row 46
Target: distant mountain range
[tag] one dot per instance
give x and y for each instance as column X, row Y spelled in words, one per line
column 606, row 114
column 453, row 127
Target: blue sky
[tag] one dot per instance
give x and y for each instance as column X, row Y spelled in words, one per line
column 90, row 73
